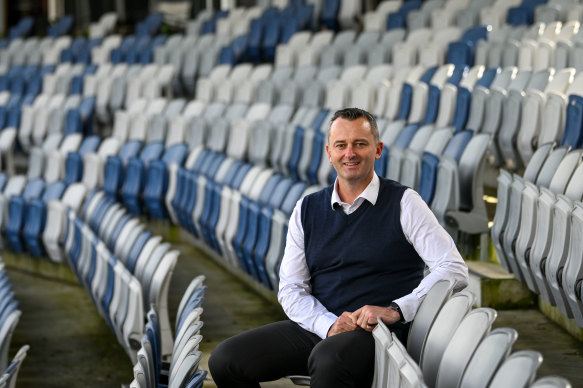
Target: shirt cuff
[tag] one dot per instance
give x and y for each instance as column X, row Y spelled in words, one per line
column 323, row 324
column 409, row 305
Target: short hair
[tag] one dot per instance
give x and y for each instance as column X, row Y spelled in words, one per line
column 352, row 114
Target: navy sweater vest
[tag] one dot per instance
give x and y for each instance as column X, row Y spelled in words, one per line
column 361, row 258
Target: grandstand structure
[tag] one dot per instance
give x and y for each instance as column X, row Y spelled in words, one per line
column 218, row 128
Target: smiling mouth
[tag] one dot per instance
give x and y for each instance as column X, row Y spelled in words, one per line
column 351, row 163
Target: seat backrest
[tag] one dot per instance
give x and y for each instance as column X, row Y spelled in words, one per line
column 406, row 135
column 457, row 144
column 425, row 316
column 537, row 161
column 574, row 189
column 489, row 354
column 563, row 170
column 428, row 177
column 280, row 192
column 292, row 196
column 443, row 328
column 464, row 342
column 519, row 369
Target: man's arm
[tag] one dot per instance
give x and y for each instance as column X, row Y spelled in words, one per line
column 436, row 248
column 295, row 292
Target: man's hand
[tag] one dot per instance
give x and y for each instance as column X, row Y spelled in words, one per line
column 344, row 323
column 366, row 317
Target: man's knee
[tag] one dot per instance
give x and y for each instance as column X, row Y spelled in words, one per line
column 324, row 358
column 347, row 358
column 221, row 361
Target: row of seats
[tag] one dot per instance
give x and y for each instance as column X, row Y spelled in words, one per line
column 441, row 14
column 540, row 46
column 106, row 238
column 181, row 368
column 438, row 14
column 451, row 344
column 116, row 293
column 536, row 223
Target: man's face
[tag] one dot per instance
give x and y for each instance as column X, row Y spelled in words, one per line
column 352, row 150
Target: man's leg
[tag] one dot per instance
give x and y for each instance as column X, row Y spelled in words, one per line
column 267, row 353
column 343, row 360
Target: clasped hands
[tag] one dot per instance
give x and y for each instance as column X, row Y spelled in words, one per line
column 365, row 318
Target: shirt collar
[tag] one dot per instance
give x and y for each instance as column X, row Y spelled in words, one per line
column 370, row 193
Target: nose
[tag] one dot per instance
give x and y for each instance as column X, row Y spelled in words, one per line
column 350, row 152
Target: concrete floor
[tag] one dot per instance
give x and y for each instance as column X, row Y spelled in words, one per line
column 72, row 346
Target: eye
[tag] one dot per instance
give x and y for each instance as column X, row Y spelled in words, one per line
column 340, row 146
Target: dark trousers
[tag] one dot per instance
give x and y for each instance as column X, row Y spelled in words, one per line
column 283, row 348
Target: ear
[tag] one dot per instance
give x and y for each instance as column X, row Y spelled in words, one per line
column 379, row 150
column 328, row 151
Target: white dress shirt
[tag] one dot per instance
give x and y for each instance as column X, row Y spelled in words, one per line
column 433, row 244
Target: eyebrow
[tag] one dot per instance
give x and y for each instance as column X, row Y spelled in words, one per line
column 355, row 141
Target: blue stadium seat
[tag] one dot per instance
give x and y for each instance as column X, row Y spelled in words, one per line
column 140, row 46
column 17, row 207
column 84, row 55
column 117, row 230
column 518, row 16
column 22, row 29
column 464, row 99
column 213, row 217
column 298, row 141
column 317, row 150
column 36, row 218
column 380, row 165
column 398, row 19
column 271, row 37
column 77, row 81
column 119, row 54
column 156, row 184
column 209, row 26
column 211, row 200
column 235, row 52
column 433, row 98
column 428, row 178
column 115, row 166
column 329, row 16
column 80, row 120
column 151, row 25
column 62, row 27
column 188, row 200
column 461, row 53
column 573, row 135
column 137, row 249
column 256, row 28
column 181, row 196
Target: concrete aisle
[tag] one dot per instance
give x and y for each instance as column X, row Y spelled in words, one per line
column 70, row 344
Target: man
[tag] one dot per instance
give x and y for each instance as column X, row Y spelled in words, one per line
column 355, row 251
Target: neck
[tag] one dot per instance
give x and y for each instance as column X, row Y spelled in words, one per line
column 348, row 191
